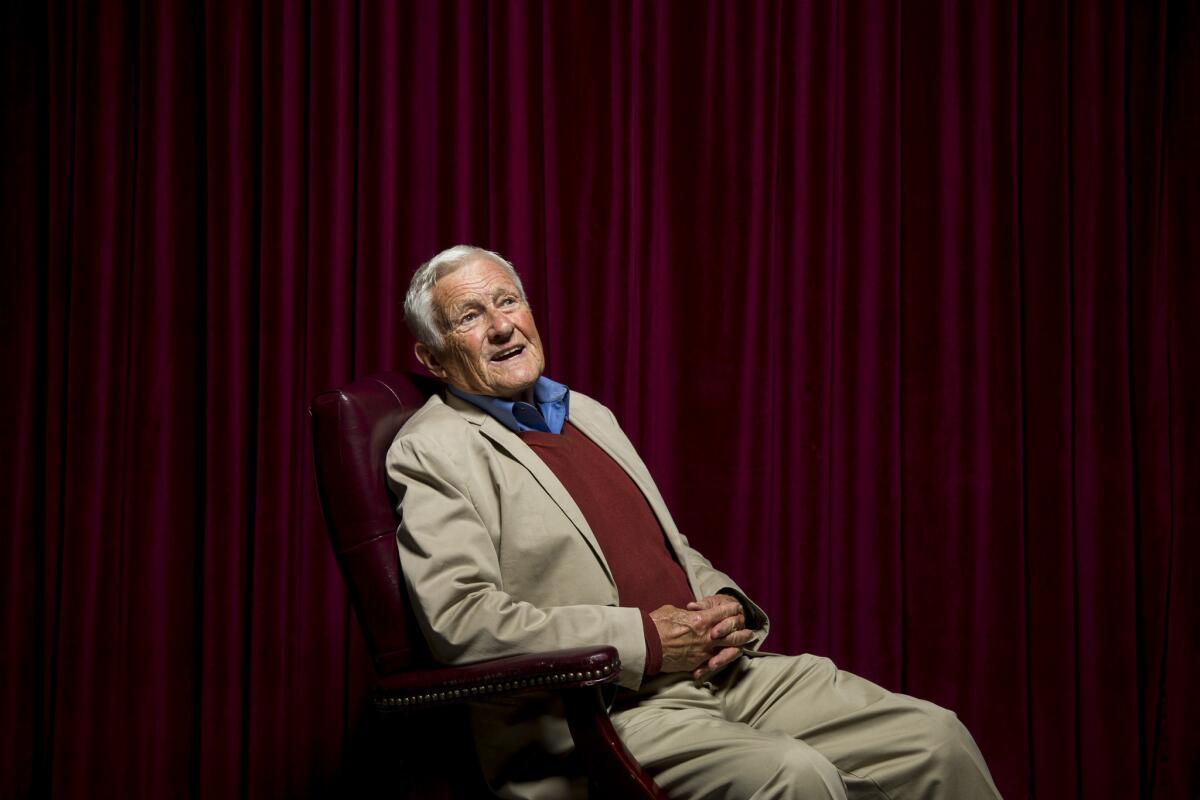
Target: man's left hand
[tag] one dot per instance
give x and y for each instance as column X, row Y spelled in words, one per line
column 735, row 622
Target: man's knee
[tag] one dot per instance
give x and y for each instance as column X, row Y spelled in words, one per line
column 791, row 769
column 942, row 735
column 951, row 757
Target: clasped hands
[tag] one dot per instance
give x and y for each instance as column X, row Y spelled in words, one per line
column 703, row 637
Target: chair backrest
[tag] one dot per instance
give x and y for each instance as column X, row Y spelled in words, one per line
column 352, row 430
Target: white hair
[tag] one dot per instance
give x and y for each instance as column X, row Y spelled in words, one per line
column 419, row 313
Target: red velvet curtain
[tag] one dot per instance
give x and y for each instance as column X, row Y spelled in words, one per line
column 898, row 302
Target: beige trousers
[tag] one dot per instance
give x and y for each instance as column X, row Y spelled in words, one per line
column 797, row 727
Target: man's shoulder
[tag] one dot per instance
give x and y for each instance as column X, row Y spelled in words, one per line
column 434, row 425
column 436, row 440
column 432, row 413
column 590, row 409
column 436, row 420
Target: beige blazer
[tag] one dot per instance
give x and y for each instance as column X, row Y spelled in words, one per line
column 499, row 558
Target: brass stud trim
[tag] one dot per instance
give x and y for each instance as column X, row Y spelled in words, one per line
column 382, row 700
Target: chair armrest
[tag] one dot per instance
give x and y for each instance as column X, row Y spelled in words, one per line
column 578, row 667
column 576, row 673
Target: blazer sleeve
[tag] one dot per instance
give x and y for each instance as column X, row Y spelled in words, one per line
column 451, row 568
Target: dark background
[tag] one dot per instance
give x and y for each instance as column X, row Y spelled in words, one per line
column 899, row 303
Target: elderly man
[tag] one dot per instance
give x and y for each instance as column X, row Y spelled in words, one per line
column 529, row 523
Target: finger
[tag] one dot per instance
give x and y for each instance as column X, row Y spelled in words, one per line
column 715, row 614
column 724, row 600
column 719, row 660
column 736, row 639
column 695, row 606
column 729, row 626
column 724, row 657
column 722, row 629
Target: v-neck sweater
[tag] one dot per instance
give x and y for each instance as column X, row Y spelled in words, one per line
column 645, row 570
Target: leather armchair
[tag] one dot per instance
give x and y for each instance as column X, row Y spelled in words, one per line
column 352, row 430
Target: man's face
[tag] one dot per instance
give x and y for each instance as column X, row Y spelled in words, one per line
column 491, row 346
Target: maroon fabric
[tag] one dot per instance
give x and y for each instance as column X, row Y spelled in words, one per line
column 634, row 545
column 897, row 301
column 654, row 648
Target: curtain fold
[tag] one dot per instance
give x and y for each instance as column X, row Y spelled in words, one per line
column 897, row 302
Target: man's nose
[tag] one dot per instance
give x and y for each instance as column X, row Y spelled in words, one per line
column 500, row 327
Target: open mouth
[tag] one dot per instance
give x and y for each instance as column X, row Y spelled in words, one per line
column 509, row 353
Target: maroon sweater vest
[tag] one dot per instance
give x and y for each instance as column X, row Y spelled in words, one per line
column 633, row 543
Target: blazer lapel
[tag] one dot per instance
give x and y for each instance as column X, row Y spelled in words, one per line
column 515, row 447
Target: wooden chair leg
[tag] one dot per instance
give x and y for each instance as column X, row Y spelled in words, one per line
column 612, row 771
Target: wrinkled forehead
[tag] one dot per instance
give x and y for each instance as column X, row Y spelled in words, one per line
column 478, row 281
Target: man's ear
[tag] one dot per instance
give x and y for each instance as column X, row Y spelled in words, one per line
column 429, row 358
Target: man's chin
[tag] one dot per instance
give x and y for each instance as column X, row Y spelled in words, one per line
column 516, row 374
column 513, row 386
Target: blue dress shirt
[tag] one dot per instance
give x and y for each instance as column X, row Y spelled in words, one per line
column 546, row 414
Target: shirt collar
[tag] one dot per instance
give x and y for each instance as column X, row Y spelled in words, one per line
column 546, row 414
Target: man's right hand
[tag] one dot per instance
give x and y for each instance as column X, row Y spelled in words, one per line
column 700, row 640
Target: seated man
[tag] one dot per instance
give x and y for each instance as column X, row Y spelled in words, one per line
column 529, row 523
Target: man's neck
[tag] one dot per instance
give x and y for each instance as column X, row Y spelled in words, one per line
column 523, row 396
column 543, row 406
